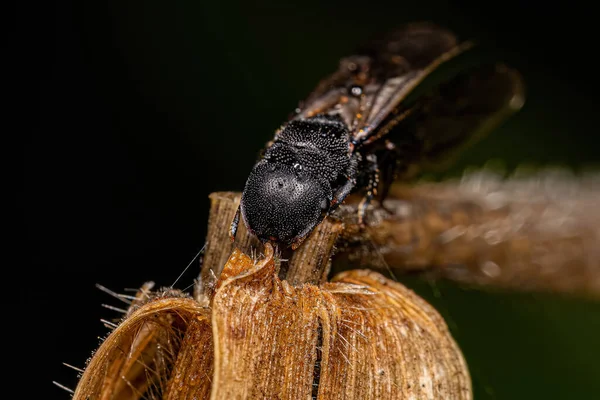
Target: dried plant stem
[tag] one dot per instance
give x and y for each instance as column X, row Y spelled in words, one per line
column 311, row 262
column 308, row 264
column 540, row 233
column 223, row 206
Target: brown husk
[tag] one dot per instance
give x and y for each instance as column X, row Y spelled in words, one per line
column 361, row 336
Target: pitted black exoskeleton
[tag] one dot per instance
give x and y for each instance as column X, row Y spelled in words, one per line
column 303, row 175
column 357, row 132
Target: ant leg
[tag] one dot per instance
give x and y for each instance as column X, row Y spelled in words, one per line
column 342, row 192
column 234, row 225
column 373, row 174
column 298, row 241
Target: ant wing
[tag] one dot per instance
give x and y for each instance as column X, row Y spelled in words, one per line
column 369, row 86
column 373, row 93
column 431, row 133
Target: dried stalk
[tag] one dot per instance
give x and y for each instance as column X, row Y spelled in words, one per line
column 538, row 233
column 535, row 233
column 308, row 264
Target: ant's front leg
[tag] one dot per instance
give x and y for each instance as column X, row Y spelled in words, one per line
column 373, row 174
column 234, row 225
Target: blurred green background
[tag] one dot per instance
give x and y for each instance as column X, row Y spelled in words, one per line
column 140, row 110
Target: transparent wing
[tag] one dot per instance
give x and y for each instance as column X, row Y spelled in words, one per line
column 368, row 86
column 370, row 92
column 433, row 131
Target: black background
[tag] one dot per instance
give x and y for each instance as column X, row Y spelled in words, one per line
column 133, row 112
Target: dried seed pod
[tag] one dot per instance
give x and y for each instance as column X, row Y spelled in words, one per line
column 145, row 355
column 360, row 336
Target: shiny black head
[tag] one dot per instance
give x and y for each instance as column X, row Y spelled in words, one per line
column 282, row 204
